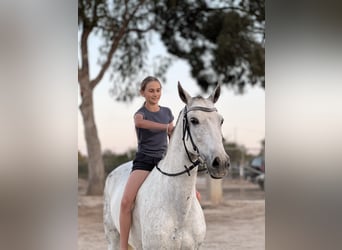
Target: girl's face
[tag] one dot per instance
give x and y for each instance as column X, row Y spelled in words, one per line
column 152, row 92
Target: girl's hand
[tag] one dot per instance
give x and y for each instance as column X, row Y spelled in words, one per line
column 169, row 129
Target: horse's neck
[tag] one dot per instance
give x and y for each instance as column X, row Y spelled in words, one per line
column 177, row 191
column 174, row 162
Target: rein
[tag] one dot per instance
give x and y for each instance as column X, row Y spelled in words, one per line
column 186, row 130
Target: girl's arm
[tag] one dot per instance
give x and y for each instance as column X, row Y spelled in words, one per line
column 170, row 129
column 141, row 123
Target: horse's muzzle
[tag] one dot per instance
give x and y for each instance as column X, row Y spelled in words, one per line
column 219, row 167
column 218, row 163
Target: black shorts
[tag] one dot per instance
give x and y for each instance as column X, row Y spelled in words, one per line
column 144, row 162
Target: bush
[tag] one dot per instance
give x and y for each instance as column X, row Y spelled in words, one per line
column 112, row 160
column 82, row 166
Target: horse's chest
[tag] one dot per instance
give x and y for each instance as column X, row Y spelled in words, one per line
column 165, row 221
column 183, row 231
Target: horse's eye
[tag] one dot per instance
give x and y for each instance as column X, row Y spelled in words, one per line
column 194, row 121
column 222, row 120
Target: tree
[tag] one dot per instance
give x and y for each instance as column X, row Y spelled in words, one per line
column 217, row 41
column 221, row 40
column 119, row 24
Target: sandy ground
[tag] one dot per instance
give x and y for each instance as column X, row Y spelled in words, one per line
column 236, row 224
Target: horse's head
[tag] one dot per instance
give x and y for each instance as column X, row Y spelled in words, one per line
column 202, row 131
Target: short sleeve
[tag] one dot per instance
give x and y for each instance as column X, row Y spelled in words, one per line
column 141, row 112
column 171, row 118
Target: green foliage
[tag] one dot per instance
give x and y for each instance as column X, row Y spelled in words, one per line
column 221, row 40
column 110, row 160
column 120, row 27
column 236, row 152
column 220, row 43
column 82, row 166
column 238, row 156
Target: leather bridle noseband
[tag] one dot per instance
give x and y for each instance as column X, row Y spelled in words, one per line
column 186, row 131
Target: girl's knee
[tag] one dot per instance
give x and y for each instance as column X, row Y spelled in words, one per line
column 126, row 204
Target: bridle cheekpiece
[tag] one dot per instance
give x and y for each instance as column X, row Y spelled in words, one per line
column 187, row 132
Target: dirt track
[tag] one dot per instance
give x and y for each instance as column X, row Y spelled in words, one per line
column 237, row 224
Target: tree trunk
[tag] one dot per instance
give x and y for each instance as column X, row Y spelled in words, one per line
column 95, row 161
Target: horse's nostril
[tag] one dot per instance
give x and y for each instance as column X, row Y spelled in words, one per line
column 228, row 162
column 216, row 162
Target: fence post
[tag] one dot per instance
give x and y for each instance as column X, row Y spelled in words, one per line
column 242, row 164
column 215, row 187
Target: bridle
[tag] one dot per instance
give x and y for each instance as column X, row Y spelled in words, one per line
column 186, row 131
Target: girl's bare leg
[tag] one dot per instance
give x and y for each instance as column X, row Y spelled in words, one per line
column 134, row 182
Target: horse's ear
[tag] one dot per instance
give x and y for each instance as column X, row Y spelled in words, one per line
column 216, row 93
column 183, row 94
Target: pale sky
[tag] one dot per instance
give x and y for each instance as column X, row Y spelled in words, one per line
column 244, row 115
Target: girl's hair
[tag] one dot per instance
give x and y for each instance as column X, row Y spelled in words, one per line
column 147, row 80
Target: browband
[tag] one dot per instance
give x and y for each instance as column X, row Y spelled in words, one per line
column 205, row 109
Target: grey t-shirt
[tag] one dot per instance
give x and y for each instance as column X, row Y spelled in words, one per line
column 153, row 142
